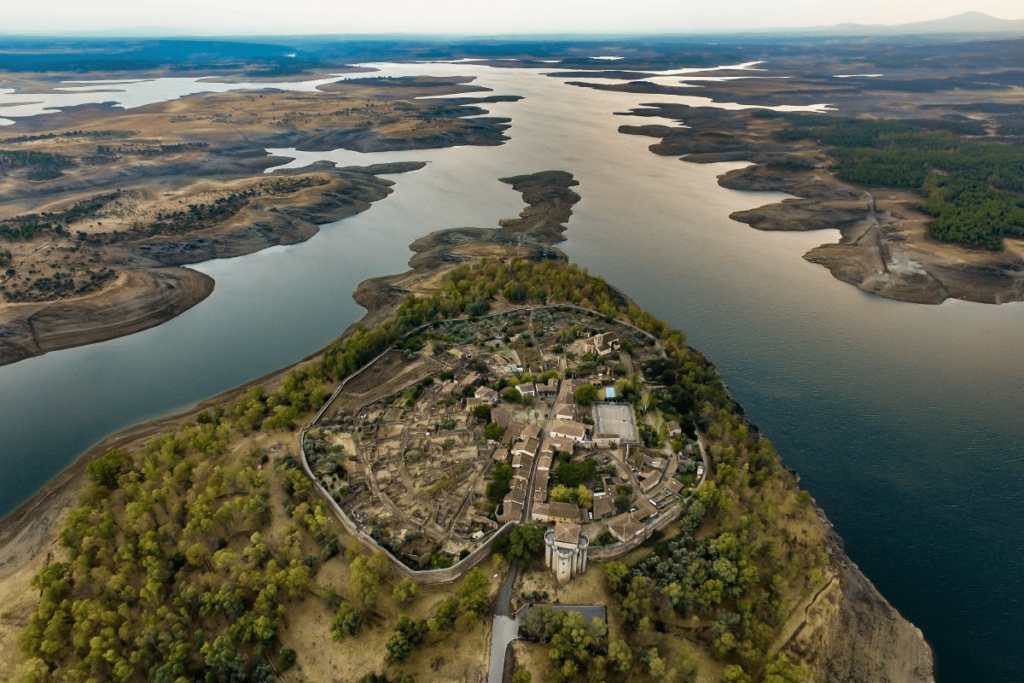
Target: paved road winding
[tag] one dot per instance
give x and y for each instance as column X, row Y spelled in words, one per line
column 504, row 628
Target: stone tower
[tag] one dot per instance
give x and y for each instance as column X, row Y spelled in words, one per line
column 565, row 550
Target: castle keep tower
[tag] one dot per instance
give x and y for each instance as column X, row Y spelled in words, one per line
column 565, row 550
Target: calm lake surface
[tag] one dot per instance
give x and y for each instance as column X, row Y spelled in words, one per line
column 904, row 421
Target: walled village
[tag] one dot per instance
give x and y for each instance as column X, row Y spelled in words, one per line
column 551, row 416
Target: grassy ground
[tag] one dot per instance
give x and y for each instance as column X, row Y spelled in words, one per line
column 457, row 656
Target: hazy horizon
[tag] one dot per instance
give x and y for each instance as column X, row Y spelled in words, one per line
column 465, row 17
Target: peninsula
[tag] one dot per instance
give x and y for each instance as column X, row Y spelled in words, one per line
column 346, row 517
column 100, row 208
column 914, row 156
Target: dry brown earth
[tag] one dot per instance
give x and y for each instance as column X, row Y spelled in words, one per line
column 104, row 274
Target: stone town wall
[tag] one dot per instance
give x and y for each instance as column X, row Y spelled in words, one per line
column 617, row 551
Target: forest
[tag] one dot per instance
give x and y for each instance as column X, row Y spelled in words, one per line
column 973, row 190
column 179, row 565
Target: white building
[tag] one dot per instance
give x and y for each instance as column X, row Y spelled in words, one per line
column 575, row 431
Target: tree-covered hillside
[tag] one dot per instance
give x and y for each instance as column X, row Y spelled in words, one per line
column 974, row 190
column 185, row 558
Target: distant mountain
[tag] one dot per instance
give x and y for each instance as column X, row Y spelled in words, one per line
column 968, row 22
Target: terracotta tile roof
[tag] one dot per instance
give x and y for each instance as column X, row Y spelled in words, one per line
column 603, row 506
column 625, row 526
column 566, row 532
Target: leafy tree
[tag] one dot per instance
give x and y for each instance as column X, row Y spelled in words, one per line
column 447, row 611
column 482, row 412
column 365, row 574
column 408, row 634
column 584, row 497
column 635, row 602
column 398, row 646
column 348, row 621
column 541, row 622
column 285, row 658
column 105, row 471
column 498, row 487
column 561, row 494
column 524, row 543
column 781, row 670
column 572, row 474
column 617, row 574
column 623, row 498
column 493, row 432
column 472, row 593
column 620, row 657
column 585, row 394
column 406, row 590
column 657, row 667
column 734, row 673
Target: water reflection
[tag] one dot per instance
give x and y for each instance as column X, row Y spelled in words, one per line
column 904, row 420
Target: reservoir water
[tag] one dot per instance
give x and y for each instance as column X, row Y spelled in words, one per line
column 904, row 421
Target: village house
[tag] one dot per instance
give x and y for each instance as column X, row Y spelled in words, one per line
column 512, row 505
column 650, row 481
column 557, row 512
column 522, row 464
column 529, row 432
column 577, row 432
column 502, row 416
column 625, row 527
column 564, row 411
column 607, row 440
column 650, row 463
column 511, row 435
column 604, row 506
column 553, row 445
column 645, row 509
column 601, row 344
column 565, row 392
column 487, row 395
column 540, row 490
column 522, row 475
column 528, row 447
column 549, row 389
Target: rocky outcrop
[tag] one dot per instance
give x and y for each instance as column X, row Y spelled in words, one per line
column 849, row 633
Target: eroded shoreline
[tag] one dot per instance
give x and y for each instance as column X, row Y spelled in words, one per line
column 111, row 203
column 848, row 628
column 885, row 247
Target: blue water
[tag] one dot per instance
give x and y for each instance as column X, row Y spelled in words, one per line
column 903, row 420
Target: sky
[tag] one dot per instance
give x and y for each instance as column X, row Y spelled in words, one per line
column 478, row 17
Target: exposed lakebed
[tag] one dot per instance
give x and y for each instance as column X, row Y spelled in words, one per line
column 904, row 420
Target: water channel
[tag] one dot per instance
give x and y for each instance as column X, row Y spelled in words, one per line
column 904, row 420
